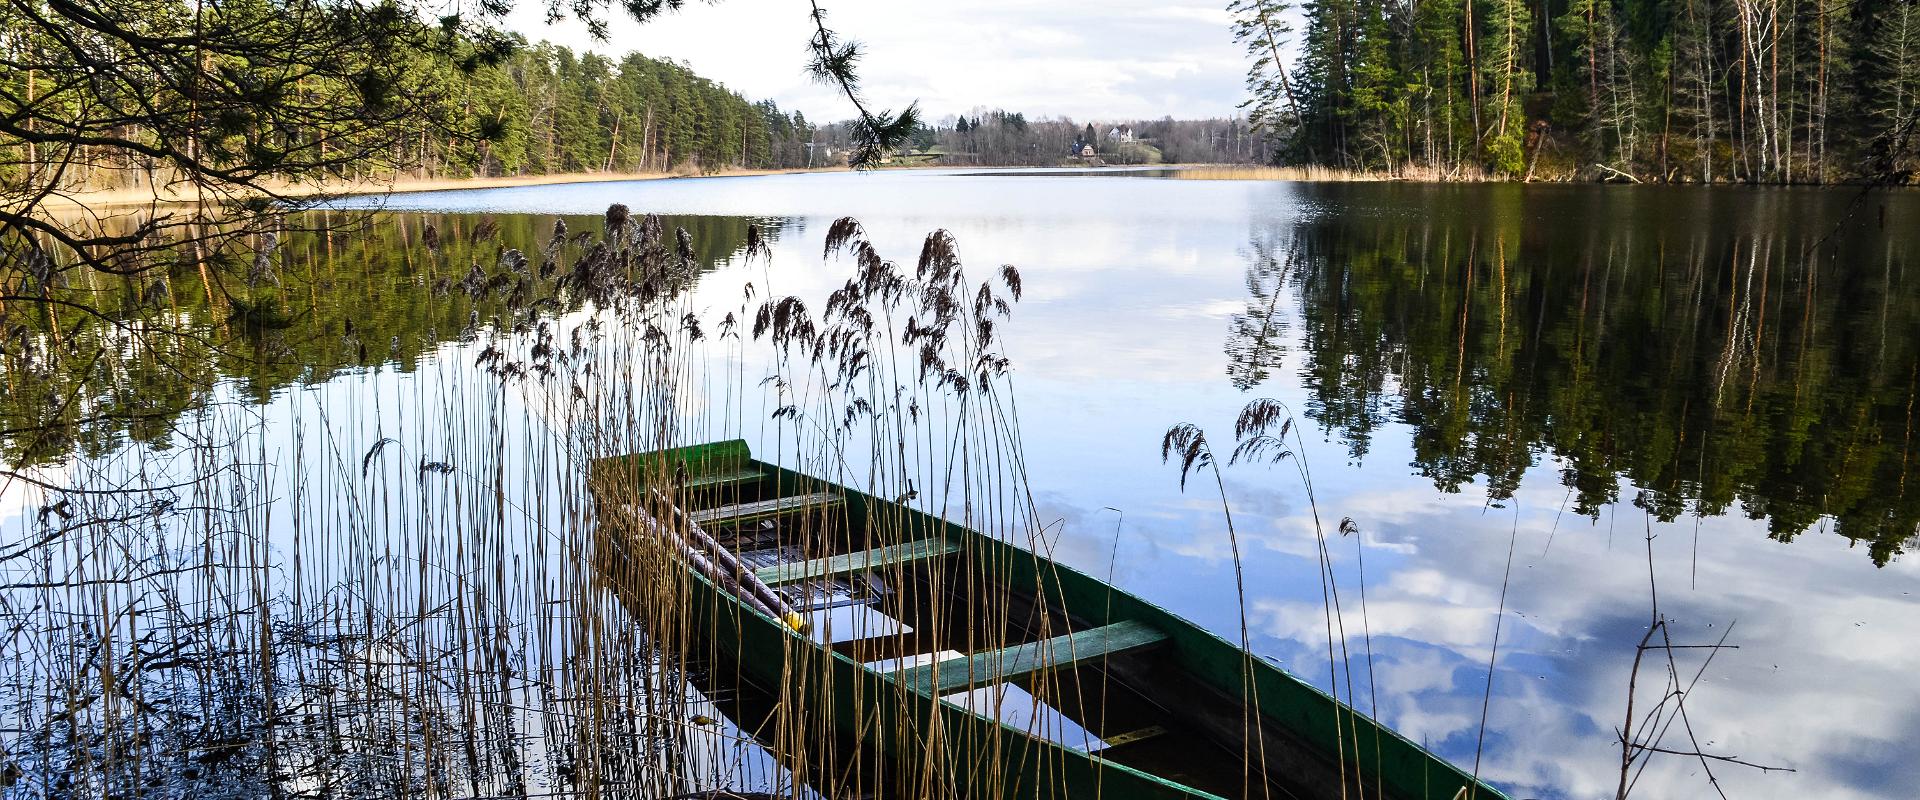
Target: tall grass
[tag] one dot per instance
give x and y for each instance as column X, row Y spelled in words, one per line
column 405, row 585
column 1324, row 174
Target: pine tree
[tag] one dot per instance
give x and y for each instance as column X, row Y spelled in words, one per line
column 1321, row 84
column 1438, row 51
column 1607, row 90
column 1261, row 27
column 1378, row 108
column 1509, row 81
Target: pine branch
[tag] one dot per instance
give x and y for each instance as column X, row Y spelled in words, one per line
column 835, row 61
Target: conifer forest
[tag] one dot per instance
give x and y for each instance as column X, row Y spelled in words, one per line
column 1758, row 91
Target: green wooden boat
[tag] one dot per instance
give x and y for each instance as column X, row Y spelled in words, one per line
column 912, row 634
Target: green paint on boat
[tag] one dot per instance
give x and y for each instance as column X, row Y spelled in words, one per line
column 1008, row 663
column 1114, row 623
column 892, row 555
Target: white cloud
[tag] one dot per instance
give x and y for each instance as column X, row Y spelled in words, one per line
column 1123, row 59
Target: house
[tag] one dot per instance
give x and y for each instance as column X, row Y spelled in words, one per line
column 1086, row 151
column 1120, row 135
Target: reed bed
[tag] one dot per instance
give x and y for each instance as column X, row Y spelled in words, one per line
column 411, row 586
column 1324, row 174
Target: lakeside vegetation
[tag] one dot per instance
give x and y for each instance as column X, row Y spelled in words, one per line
column 529, row 109
column 1753, row 91
column 553, row 111
column 416, row 594
column 249, row 108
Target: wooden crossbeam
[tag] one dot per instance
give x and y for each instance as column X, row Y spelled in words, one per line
column 765, row 509
column 920, row 550
column 724, row 479
column 1130, row 737
column 1008, row 663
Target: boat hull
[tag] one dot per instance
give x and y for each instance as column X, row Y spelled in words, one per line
column 982, row 757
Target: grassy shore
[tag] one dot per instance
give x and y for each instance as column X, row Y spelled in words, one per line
column 124, row 199
column 1247, row 172
column 119, row 201
column 101, row 199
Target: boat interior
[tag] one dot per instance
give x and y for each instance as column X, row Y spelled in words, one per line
column 884, row 587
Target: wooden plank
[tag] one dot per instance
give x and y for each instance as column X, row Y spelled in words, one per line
column 1130, row 737
column 749, row 512
column 920, row 550
column 724, row 479
column 1019, row 660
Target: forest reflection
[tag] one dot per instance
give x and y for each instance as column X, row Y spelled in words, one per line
column 1755, row 355
column 120, row 360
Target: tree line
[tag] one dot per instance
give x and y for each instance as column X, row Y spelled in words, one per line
column 1764, row 91
column 997, row 137
column 537, row 109
column 552, row 111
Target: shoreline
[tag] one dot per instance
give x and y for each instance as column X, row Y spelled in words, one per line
column 102, row 199
column 123, row 199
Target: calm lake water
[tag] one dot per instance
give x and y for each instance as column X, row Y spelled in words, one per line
column 1508, row 389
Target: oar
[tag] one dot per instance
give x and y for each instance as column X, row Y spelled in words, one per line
column 638, row 517
column 743, row 574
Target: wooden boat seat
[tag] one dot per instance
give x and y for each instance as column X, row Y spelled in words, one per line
column 1008, row 663
column 1007, row 703
column 920, row 550
column 1132, row 736
column 723, row 479
column 824, row 594
column 766, row 509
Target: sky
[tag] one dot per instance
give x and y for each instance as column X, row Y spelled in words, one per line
column 1122, row 59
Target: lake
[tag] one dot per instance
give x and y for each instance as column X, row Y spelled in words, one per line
column 1539, row 406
